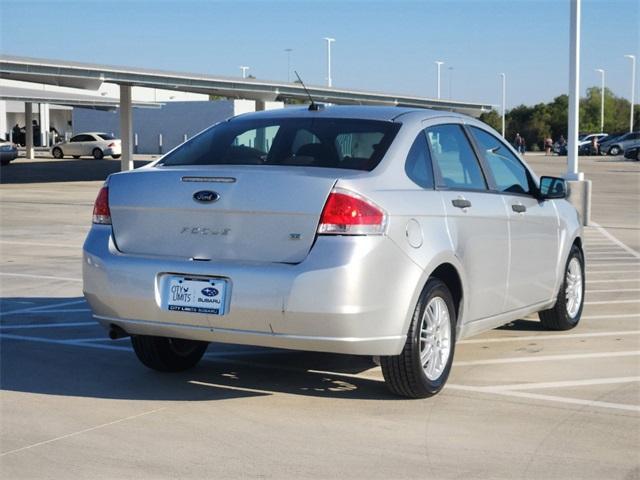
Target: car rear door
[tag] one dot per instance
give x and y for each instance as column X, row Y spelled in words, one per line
column 476, row 219
column 73, row 146
column 533, row 224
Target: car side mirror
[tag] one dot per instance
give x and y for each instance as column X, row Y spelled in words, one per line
column 552, row 187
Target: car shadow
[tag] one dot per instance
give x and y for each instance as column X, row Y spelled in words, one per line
column 74, row 361
column 47, row 171
column 523, row 325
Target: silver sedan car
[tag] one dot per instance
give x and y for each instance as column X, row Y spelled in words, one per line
column 383, row 231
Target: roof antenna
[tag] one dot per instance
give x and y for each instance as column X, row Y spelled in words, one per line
column 314, row 106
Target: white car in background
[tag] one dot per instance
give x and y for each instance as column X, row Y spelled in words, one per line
column 91, row 144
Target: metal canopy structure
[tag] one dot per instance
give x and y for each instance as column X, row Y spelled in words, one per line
column 91, row 76
column 30, row 95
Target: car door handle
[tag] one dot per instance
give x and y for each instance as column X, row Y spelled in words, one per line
column 518, row 208
column 461, row 203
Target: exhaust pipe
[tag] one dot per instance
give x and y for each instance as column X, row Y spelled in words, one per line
column 116, row 332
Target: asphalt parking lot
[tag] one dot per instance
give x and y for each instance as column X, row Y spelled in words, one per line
column 520, row 403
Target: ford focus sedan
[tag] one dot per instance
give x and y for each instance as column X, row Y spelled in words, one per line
column 382, row 231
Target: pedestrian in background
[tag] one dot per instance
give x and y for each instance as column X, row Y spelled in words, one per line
column 519, row 143
column 595, row 146
column 548, row 145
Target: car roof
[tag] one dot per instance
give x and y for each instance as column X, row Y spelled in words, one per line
column 363, row 112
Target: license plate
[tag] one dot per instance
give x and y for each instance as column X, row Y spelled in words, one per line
column 197, row 295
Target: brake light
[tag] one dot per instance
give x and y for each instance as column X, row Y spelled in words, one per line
column 101, row 212
column 111, row 145
column 347, row 213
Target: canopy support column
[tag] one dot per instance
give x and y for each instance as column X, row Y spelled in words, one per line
column 126, row 128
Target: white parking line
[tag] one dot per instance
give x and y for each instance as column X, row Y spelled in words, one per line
column 601, row 317
column 614, row 290
column 612, row 302
column 549, row 337
column 549, row 398
column 565, row 384
column 44, row 277
column 42, row 244
column 48, row 325
column 48, row 306
column 630, row 262
column 616, row 241
column 73, row 343
column 231, row 387
column 607, row 272
column 547, row 358
column 623, row 280
column 79, row 432
column 61, row 310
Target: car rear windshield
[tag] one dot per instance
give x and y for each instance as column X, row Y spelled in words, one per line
column 307, row 142
column 106, row 136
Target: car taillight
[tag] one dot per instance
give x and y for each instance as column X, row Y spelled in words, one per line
column 347, row 213
column 101, row 213
column 111, row 145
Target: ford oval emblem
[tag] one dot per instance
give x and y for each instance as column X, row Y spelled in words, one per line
column 205, row 196
column 210, row 292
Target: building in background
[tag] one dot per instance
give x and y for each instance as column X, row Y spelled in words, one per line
column 158, row 130
column 162, row 118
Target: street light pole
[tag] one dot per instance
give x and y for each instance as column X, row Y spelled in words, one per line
column 244, row 71
column 439, row 64
column 601, row 99
column 633, row 87
column 574, row 92
column 288, row 50
column 504, row 100
column 329, row 41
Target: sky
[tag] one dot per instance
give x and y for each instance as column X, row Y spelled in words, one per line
column 388, row 46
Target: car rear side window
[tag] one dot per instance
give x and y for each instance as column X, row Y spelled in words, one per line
column 418, row 165
column 454, row 159
column 509, row 174
column 309, row 142
column 106, row 136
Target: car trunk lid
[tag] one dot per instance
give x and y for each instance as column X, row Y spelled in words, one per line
column 241, row 213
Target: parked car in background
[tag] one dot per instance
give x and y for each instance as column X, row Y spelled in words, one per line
column 587, row 139
column 618, row 145
column 8, row 151
column 633, row 151
column 382, row 231
column 584, row 144
column 91, row 144
column 560, row 148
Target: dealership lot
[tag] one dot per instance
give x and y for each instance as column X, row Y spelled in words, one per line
column 521, row 402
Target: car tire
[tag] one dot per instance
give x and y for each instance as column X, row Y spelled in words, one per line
column 615, row 150
column 407, row 374
column 57, row 153
column 567, row 311
column 168, row 354
column 97, row 154
column 115, row 157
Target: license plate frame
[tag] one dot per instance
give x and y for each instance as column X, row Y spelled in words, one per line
column 195, row 294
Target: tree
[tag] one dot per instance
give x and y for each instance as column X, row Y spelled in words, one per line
column 493, row 119
column 537, row 122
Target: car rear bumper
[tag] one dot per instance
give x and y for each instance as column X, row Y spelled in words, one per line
column 112, row 151
column 8, row 155
column 350, row 295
